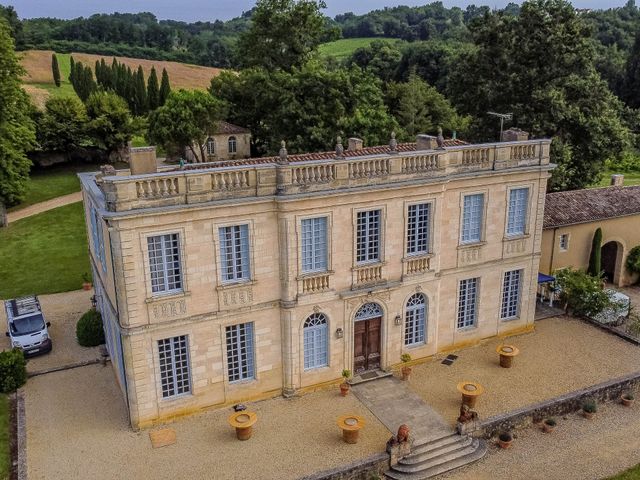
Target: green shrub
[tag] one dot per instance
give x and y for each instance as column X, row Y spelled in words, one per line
column 633, row 260
column 89, row 329
column 590, row 406
column 13, row 370
column 582, row 293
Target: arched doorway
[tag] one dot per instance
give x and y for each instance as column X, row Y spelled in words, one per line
column 609, row 253
column 367, row 338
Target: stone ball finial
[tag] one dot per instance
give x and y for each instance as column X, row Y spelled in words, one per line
column 393, row 144
column 440, row 138
column 283, row 152
column 339, row 147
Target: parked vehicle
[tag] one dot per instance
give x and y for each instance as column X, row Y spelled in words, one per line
column 26, row 325
column 615, row 314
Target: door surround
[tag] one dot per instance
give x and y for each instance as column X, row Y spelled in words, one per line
column 367, row 338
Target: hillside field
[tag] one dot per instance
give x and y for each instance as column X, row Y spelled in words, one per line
column 39, row 84
column 343, row 48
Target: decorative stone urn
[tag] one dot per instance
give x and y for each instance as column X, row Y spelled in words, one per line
column 470, row 392
column 350, row 425
column 243, row 423
column 507, row 352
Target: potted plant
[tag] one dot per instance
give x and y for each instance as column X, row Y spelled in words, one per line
column 627, row 399
column 548, row 425
column 589, row 408
column 86, row 282
column 344, row 386
column 505, row 439
column 406, row 369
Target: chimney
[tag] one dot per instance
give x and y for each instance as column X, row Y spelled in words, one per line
column 515, row 135
column 355, row 144
column 426, row 142
column 143, row 160
column 617, row 180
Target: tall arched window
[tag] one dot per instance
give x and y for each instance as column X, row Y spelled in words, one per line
column 415, row 320
column 315, row 341
column 211, row 146
column 233, row 145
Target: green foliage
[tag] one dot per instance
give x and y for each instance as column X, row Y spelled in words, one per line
column 405, row 358
column 590, row 406
column 110, row 123
column 62, row 127
column 55, row 70
column 633, row 260
column 153, row 90
column 582, row 293
column 165, row 88
column 17, row 132
column 186, row 120
column 551, row 422
column 595, row 258
column 346, row 373
column 13, row 370
column 140, row 106
column 89, row 331
column 627, row 162
column 283, row 34
column 81, row 78
column 380, row 57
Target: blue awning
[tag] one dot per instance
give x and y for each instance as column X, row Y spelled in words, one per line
column 542, row 278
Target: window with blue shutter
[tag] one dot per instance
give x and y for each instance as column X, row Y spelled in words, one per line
column 234, row 253
column 314, row 245
column 517, row 216
column 472, row 213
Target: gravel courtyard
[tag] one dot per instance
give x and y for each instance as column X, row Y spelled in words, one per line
column 560, row 356
column 77, row 429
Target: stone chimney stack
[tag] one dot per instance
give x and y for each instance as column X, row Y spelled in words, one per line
column 426, row 142
column 617, row 180
column 355, row 144
column 515, row 135
column 143, row 160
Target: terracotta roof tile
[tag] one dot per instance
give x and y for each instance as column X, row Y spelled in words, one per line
column 227, row 128
column 589, row 205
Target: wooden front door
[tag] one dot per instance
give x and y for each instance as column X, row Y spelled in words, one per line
column 367, row 345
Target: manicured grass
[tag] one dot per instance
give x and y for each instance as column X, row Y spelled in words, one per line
column 45, row 186
column 341, row 49
column 629, row 179
column 5, row 454
column 45, row 253
column 38, row 66
column 632, row 474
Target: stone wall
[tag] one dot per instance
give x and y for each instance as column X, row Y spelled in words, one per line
column 371, row 468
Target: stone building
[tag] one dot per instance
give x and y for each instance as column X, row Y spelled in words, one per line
column 220, row 283
column 228, row 142
column 571, row 219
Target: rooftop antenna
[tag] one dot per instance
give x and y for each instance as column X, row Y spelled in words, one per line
column 502, row 117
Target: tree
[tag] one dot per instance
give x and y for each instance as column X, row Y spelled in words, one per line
column 540, row 66
column 186, row 119
column 55, row 69
column 139, row 93
column 17, row 132
column 283, row 34
column 165, row 87
column 72, row 68
column 153, row 90
column 110, row 124
column 63, row 125
column 595, row 259
column 380, row 57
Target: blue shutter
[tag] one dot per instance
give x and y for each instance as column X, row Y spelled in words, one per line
column 245, row 253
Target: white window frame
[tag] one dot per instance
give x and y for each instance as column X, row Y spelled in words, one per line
column 418, row 242
column 314, row 251
column 232, row 144
column 211, row 143
column 235, row 259
column 511, row 294
column 174, row 366
column 241, row 355
column 316, row 341
column 566, row 238
column 468, row 303
column 468, row 224
column 517, row 213
column 366, row 245
column 166, row 274
column 415, row 320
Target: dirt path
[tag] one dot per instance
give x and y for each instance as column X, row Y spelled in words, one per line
column 44, row 206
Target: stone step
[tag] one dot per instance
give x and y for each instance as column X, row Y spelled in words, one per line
column 368, row 377
column 437, row 460
column 418, row 457
column 425, row 446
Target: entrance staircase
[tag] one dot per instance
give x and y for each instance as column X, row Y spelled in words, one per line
column 437, row 448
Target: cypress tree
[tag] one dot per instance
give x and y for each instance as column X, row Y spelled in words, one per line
column 55, row 69
column 140, row 93
column 153, row 91
column 595, row 259
column 71, row 69
column 165, row 88
column 98, row 73
column 106, row 74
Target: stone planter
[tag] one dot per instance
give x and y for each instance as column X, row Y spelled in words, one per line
column 505, row 440
column 86, row 286
column 350, row 425
column 588, row 415
column 507, row 352
column 548, row 427
column 243, row 423
column 470, row 392
column 344, row 389
column 626, row 400
column 406, row 372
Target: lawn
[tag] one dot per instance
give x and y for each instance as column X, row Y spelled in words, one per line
column 40, row 78
column 632, row 474
column 341, row 49
column 45, row 185
column 45, row 253
column 5, row 454
column 630, row 178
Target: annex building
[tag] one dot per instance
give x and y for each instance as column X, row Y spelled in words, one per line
column 237, row 280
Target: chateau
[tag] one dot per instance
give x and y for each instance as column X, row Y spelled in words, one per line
column 231, row 281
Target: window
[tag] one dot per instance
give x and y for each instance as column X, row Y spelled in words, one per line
column 367, row 311
column 314, row 244
column 510, row 295
column 472, row 218
column 174, row 366
column 418, row 222
column 368, row 237
column 468, row 303
column 234, row 253
column 233, row 145
column 315, row 341
column 240, row 352
column 164, row 262
column 415, row 320
column 211, row 146
column 564, row 241
column 517, row 217
column 98, row 237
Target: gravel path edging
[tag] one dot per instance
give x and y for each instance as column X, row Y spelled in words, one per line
column 66, row 367
column 568, row 403
column 45, row 206
column 363, row 469
column 22, row 435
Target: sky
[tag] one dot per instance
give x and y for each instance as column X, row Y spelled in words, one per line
column 193, row 10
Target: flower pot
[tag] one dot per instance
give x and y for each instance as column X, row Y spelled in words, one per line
column 406, row 372
column 87, row 286
column 507, row 352
column 588, row 415
column 470, row 392
column 243, row 423
column 344, row 388
column 350, row 425
column 627, row 402
column 546, row 428
column 505, row 441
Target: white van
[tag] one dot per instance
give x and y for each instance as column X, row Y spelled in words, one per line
column 619, row 310
column 26, row 325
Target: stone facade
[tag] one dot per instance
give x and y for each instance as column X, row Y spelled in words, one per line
column 228, row 142
column 273, row 196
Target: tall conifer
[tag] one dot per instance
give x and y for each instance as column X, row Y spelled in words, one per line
column 153, row 90
column 165, row 88
column 55, row 69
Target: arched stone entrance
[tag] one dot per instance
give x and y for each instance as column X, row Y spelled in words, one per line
column 367, row 338
column 611, row 254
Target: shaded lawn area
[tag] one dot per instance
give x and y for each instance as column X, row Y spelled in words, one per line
column 632, row 474
column 5, row 454
column 45, row 253
column 44, row 185
column 630, row 178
